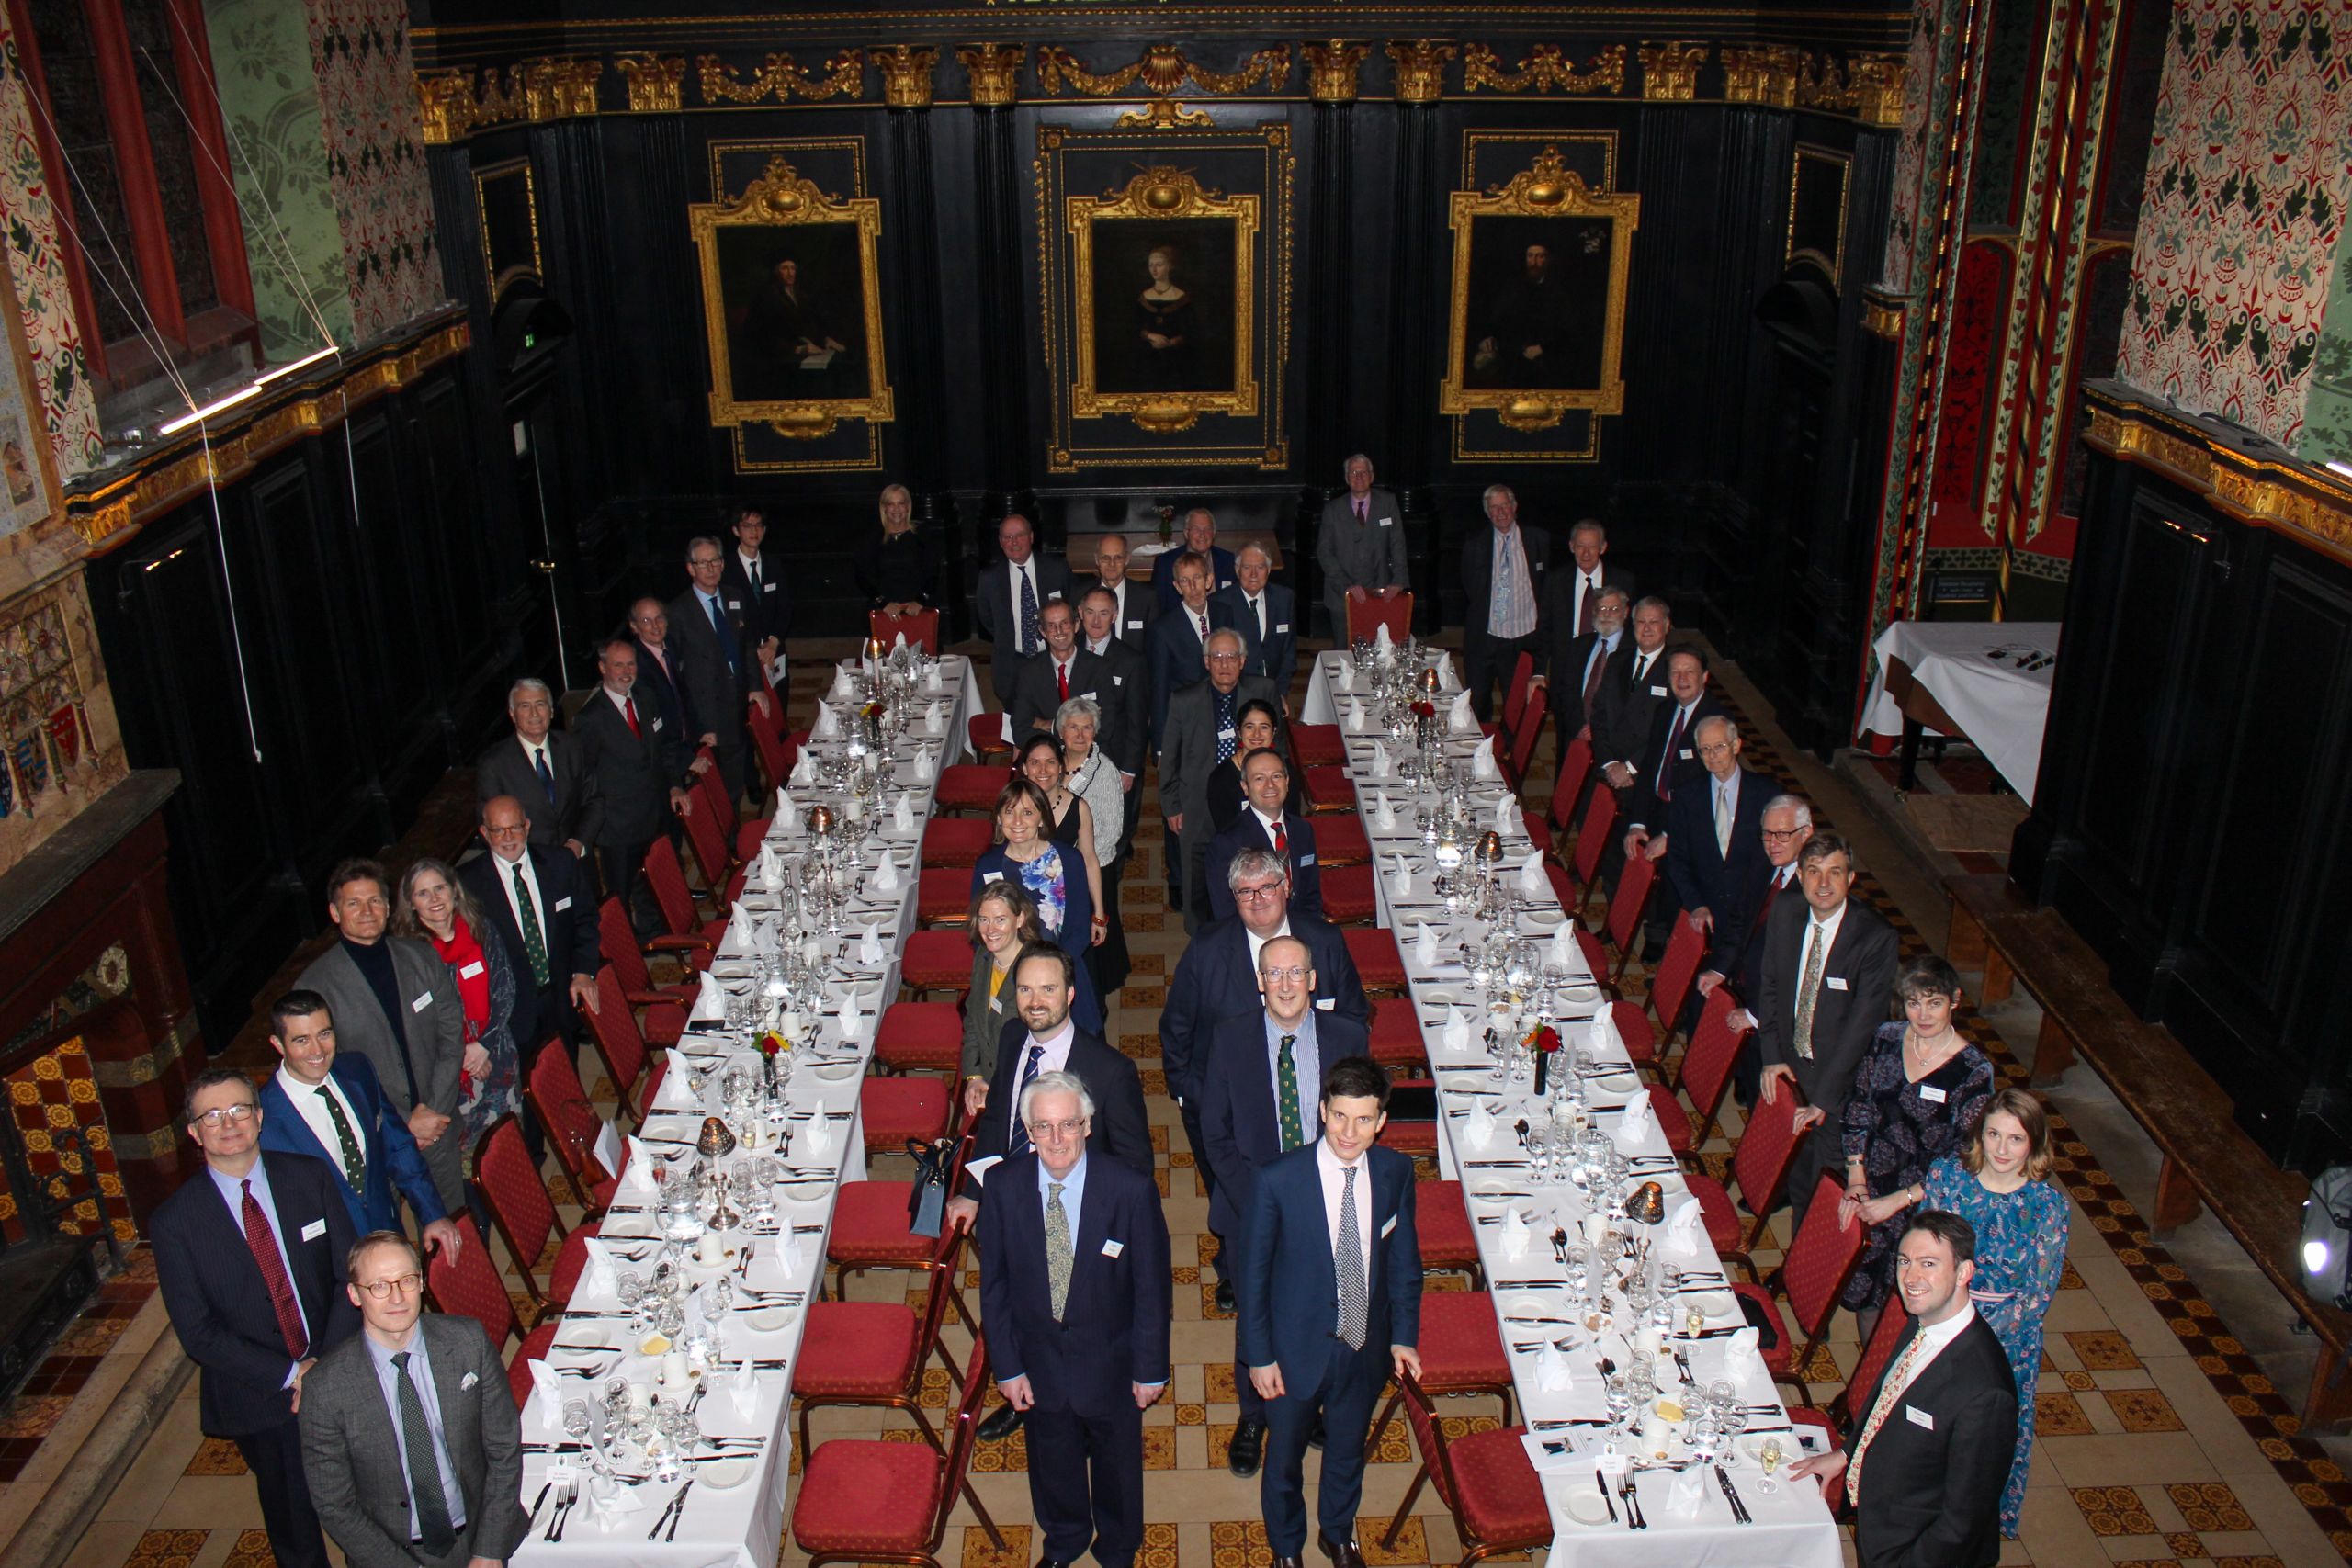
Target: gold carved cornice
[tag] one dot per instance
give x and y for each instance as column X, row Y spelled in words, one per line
column 656, row 81
column 454, row 105
column 995, row 73
column 1545, row 69
column 1164, row 114
column 1868, row 86
column 1163, row 68
column 2259, row 491
column 1331, row 69
column 781, row 76
column 1763, row 74
column 1882, row 318
column 244, row 439
column 1671, row 71
column 906, row 74
column 560, row 88
column 1420, row 69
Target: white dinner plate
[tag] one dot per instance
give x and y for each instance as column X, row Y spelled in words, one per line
column 1619, row 1083
column 1493, row 1190
column 720, row 1475
column 1714, row 1303
column 627, row 1228
column 768, row 1320
column 1438, row 997
column 1584, row 1503
column 807, row 1189
column 835, row 1072
column 1543, row 920
column 589, row 1338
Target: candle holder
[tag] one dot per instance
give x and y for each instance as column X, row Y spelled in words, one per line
column 716, row 1142
column 1647, row 1203
column 819, row 821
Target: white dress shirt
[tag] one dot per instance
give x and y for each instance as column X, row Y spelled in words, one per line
column 305, row 1098
column 1328, row 1164
column 505, row 869
column 1824, row 931
column 1257, row 943
column 1932, row 1342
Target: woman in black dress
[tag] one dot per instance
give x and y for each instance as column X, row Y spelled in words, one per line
column 895, row 567
column 1165, row 321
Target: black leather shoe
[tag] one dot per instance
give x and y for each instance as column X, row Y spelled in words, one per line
column 1249, row 1446
column 1342, row 1554
column 1315, row 1432
column 1001, row 1426
column 1289, row 1563
column 1224, row 1295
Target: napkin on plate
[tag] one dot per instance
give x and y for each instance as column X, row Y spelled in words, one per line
column 869, row 945
column 1688, row 1495
column 1425, row 946
column 804, row 772
column 636, row 1171
column 828, row 724
column 743, row 1389
column 1685, row 1228
column 599, row 1275
column 820, row 1132
column 784, row 810
column 738, row 917
column 610, row 1503
column 1482, row 760
column 1457, row 1038
column 1745, row 1361
column 1506, row 821
column 926, row 769
column 771, row 870
column 549, row 1388
column 1463, row 721
column 902, row 815
column 886, row 875
column 791, row 1256
column 1384, row 817
column 1563, row 953
column 1343, row 677
column 1478, row 1127
column 932, row 723
column 1552, row 1373
column 711, row 1002
column 1403, row 873
column 841, row 687
column 1356, row 719
column 1515, row 1234
column 1635, row 1123
column 1381, row 639
column 1531, row 877
column 1381, row 764
column 931, row 682
column 899, row 644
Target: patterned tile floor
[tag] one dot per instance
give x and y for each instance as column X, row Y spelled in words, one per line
column 2162, row 1441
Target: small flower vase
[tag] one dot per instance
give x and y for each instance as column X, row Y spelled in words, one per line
column 1543, row 1071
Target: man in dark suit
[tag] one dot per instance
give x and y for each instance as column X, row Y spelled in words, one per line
column 330, row 1107
column 1503, row 581
column 1829, row 977
column 541, row 765
column 640, row 762
column 1330, row 1304
column 713, row 631
column 1258, row 1101
column 1736, row 948
column 1580, row 664
column 759, row 580
column 1576, row 608
column 1671, row 764
column 1134, row 606
column 396, row 1003
column 1216, row 978
column 1360, row 546
column 1265, row 614
column 1200, row 539
column 662, row 687
column 1126, row 700
column 1924, row 1468
column 1266, row 824
column 410, row 1439
column 247, row 1257
column 1630, row 690
column 1062, row 671
column 1012, row 592
column 1715, row 833
column 1075, row 1292
column 1201, row 729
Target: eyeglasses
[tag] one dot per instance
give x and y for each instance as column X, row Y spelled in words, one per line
column 1295, row 973
column 1263, row 890
column 226, row 1116
column 1224, row 658
column 405, row 1284
column 1075, row 1128
column 1782, row 832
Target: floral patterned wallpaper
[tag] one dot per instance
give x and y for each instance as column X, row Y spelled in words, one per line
column 61, row 389
column 2249, row 173
column 375, row 152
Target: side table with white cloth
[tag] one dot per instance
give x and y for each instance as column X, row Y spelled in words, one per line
column 1984, row 682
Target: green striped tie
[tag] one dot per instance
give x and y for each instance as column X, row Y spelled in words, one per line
column 534, row 944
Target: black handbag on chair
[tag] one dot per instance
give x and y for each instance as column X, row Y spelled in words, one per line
column 927, row 1203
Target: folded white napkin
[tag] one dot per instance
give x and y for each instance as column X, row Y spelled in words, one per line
column 1515, row 1233
column 710, row 1001
column 902, row 815
column 926, row 768
column 1478, row 1127
column 1356, row 719
column 1552, row 1372
column 1635, row 1123
column 1343, row 677
column 1563, row 950
column 886, row 875
column 1688, row 1495
column 841, row 686
column 1531, row 877
column 1745, row 1360
column 784, row 810
column 900, row 643
column 1482, row 760
column 1381, row 639
column 771, row 869
column 828, row 725
column 1381, row 764
column 791, row 1256
column 1457, row 1038
column 1686, row 1227
column 1404, row 875
column 804, row 772
column 1425, row 946
column 610, row 1503
column 1385, row 816
column 738, row 917
column 820, row 1140
column 1507, row 822
column 869, row 945
column 931, row 681
column 1463, row 721
column 637, row 1173
column 932, row 723
column 599, row 1275
column 549, row 1388
column 743, row 1389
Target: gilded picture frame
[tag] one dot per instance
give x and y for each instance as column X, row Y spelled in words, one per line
column 795, row 340
column 510, row 226
column 1526, row 340
column 1163, row 214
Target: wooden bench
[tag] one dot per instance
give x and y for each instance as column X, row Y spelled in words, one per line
column 2209, row 1160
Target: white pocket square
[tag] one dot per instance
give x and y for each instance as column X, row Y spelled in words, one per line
column 469, row 1379
column 1387, row 1228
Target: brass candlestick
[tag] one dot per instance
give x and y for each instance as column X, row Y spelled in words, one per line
column 716, row 1142
column 1647, row 1204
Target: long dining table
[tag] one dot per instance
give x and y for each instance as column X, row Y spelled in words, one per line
column 1517, row 1209
column 732, row 1513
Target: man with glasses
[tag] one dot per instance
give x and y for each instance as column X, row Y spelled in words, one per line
column 542, row 765
column 1735, row 944
column 1012, row 592
column 443, row 1491
column 1075, row 1292
column 714, row 631
column 545, row 912
column 1267, row 823
column 246, row 1257
column 1203, row 729
column 1132, row 608
column 1258, row 1101
column 1217, row 979
column 1669, row 769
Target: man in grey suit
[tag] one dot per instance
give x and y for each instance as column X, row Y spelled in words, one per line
column 1203, row 728
column 1009, row 595
column 1360, row 546
column 1134, row 606
column 424, row 1389
column 544, row 768
column 396, row 1003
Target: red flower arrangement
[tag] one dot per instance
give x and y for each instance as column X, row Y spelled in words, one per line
column 774, row 1044
column 1425, row 710
column 1544, row 1041
column 869, row 710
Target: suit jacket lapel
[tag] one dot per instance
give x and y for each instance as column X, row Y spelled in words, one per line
column 459, row 1417
column 1088, row 1229
column 1259, row 1104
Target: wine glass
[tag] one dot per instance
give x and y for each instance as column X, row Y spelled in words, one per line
column 1769, row 1456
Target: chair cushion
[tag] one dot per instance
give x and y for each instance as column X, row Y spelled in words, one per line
column 1331, row 788
column 1397, row 1035
column 987, row 731
column 861, row 1500
column 971, row 786
column 1339, row 839
column 943, row 895
column 1349, row 896
column 1378, row 962
column 1724, row 1229
column 921, row 1037
column 1317, row 745
column 1782, row 1357
column 895, row 1109
column 1441, row 1221
column 949, row 841
column 1411, row 1137
column 1634, row 1028
column 856, row 1350
column 936, row 961
column 1462, row 1342
column 665, row 1023
column 870, row 1228
column 1501, row 1502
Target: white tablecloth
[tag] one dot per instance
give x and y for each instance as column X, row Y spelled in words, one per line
column 742, row 1526
column 1792, row 1528
column 1993, row 677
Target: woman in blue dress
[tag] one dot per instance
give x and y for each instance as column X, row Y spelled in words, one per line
column 1055, row 878
column 1998, row 1184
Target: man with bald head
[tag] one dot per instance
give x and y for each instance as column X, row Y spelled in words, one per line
column 1012, row 592
column 1200, row 539
column 1264, row 613
column 1360, row 545
column 544, row 913
column 1134, row 606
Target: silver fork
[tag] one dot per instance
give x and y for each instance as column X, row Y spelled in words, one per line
column 567, row 1492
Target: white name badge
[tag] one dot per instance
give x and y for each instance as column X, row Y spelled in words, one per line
column 1388, row 522
column 1306, row 860
column 1387, row 1228
column 1135, row 625
column 421, row 1003
column 734, row 604
column 1118, row 679
column 1932, row 1094
column 1918, row 1417
column 1281, row 625
column 1684, row 753
column 1226, row 734
column 469, row 971
column 993, row 876
column 1836, row 982
column 656, row 722
column 314, row 1230
column 1055, row 594
column 1112, row 1248
column 1090, row 696
column 1325, row 1004
column 561, row 905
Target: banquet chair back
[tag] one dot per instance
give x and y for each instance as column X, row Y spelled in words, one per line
column 711, row 791
column 1523, row 737
column 1484, row 1480
column 1575, row 766
column 776, row 750
column 617, row 944
column 468, row 1285
column 1522, row 675
column 1768, row 1148
column 1707, row 1065
column 518, row 1200
column 613, row 1025
column 571, row 1122
column 920, row 630
column 986, row 731
column 1820, row 1261
column 1592, row 843
column 713, row 857
column 1626, row 908
column 670, row 895
column 872, row 1354
column 1670, row 983
column 1892, row 1321
column 1365, row 620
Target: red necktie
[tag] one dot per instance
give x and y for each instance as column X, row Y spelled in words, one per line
column 1361, row 516
column 1592, row 679
column 1584, row 608
column 1282, row 839
column 263, row 1241
column 1771, row 891
column 1665, row 763
column 629, row 711
column 1061, row 678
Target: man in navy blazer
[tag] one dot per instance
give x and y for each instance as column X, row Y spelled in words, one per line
column 1200, row 539
column 1735, row 949
column 515, row 879
column 1178, row 643
column 330, row 1107
column 1075, row 1292
column 1330, row 1304
column 1265, row 784
column 254, row 1333
column 1258, row 1100
column 1714, row 838
column 1265, row 614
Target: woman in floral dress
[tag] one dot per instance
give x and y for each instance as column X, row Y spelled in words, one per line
column 1054, row 879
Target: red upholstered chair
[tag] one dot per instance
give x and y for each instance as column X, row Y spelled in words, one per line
column 1317, row 746
column 986, row 731
column 895, row 1109
column 1844, row 1409
column 1576, row 765
column 1820, row 1260
column 1397, row 1040
column 535, row 1347
column 1592, row 843
column 1339, row 839
column 1461, row 1352
column 873, row 1353
column 469, row 1284
column 1672, row 1119
column 935, row 961
column 1442, row 1222
column 777, row 751
column 1330, row 788
column 1595, row 958
column 524, row 1216
column 1416, row 1138
column 715, row 860
column 613, row 1026
column 1522, row 675
column 666, row 1007
column 710, row 791
column 1768, row 1148
column 676, row 901
column 1676, row 973
column 1707, row 1065
column 869, row 1228
column 944, row 897
column 864, row 1501
column 571, row 1125
column 1350, row 895
column 1484, row 1480
column 1523, row 737
column 1365, row 620
column 1626, row 908
column 920, row 630
column 920, row 1037
column 972, row 787
column 1379, row 963
column 957, row 841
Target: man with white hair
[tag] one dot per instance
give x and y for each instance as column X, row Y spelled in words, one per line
column 1736, row 941
column 1077, row 1300
column 1265, row 614
column 1360, row 546
column 541, row 766
column 1200, row 539
column 1503, row 581
column 1203, row 730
